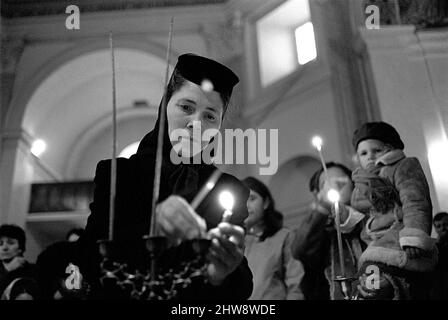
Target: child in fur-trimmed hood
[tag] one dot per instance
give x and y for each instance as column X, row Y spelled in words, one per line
column 392, row 191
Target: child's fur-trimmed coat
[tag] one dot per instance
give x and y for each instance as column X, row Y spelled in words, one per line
column 394, row 195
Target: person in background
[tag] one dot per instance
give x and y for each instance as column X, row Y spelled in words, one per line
column 441, row 227
column 315, row 243
column 276, row 274
column 21, row 289
column 13, row 266
column 74, row 234
column 440, row 286
column 58, row 273
column 392, row 191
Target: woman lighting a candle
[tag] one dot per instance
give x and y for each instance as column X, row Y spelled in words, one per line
column 188, row 103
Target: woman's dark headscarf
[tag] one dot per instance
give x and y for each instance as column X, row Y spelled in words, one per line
column 273, row 220
column 195, row 69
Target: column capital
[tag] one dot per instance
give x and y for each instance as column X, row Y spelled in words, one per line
column 17, row 134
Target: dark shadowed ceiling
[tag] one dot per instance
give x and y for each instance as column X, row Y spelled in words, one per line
column 29, row 8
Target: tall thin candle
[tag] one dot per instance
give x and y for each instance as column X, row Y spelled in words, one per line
column 113, row 168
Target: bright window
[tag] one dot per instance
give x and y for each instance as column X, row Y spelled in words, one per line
column 438, row 158
column 285, row 39
column 305, row 43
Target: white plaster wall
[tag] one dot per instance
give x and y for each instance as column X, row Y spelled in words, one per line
column 302, row 117
column 307, row 110
column 406, row 99
column 100, row 146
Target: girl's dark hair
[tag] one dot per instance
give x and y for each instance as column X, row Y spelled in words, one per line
column 314, row 181
column 176, row 82
column 273, row 220
column 14, row 232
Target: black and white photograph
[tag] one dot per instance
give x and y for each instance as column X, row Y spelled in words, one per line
column 224, row 159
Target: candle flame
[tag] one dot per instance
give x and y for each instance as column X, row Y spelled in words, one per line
column 317, row 142
column 226, row 200
column 333, row 195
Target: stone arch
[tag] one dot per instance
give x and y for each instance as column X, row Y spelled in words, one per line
column 125, row 118
column 16, row 110
column 16, row 165
column 289, row 187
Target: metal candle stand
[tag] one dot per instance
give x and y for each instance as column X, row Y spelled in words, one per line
column 346, row 287
column 152, row 284
column 344, row 281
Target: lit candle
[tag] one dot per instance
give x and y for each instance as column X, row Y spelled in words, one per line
column 317, row 143
column 334, row 197
column 227, row 201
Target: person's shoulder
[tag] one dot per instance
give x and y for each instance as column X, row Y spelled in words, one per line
column 285, row 231
column 28, row 269
column 106, row 164
column 123, row 167
column 410, row 160
column 285, row 236
column 408, row 164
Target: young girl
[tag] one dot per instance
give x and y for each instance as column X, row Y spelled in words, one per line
column 276, row 274
column 391, row 189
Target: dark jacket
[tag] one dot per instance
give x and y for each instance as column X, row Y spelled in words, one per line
column 132, row 219
column 315, row 245
column 28, row 270
column 439, row 289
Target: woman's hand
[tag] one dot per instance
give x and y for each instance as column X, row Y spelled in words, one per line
column 226, row 251
column 177, row 219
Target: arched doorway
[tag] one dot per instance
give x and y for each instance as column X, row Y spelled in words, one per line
column 289, row 187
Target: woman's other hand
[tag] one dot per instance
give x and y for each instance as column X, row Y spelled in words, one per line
column 226, row 251
column 178, row 221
